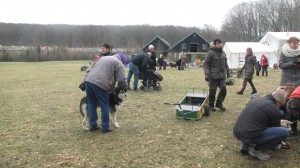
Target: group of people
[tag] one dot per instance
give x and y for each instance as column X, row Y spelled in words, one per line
column 260, row 124
column 107, row 71
column 141, row 62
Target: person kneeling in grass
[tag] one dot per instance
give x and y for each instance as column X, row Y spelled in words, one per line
column 258, row 126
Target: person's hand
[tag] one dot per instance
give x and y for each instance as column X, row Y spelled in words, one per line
column 296, row 61
column 285, row 123
column 206, row 79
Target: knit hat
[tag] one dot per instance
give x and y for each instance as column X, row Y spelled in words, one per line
column 151, row 47
column 121, row 57
column 249, row 51
column 280, row 95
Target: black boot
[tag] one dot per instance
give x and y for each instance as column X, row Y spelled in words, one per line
column 211, row 108
column 221, row 107
column 240, row 93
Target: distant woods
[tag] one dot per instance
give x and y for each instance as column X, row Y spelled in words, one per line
column 248, row 21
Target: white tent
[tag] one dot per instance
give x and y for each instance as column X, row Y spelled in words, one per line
column 236, row 51
column 277, row 39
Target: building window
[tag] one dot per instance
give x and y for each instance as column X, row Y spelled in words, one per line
column 204, row 47
column 183, row 46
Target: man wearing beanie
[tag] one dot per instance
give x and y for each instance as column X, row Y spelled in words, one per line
column 99, row 82
column 215, row 69
column 152, row 61
column 258, row 126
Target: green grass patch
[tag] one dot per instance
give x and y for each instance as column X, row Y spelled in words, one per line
column 41, row 124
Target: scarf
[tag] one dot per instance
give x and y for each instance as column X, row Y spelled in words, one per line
column 289, row 52
column 218, row 50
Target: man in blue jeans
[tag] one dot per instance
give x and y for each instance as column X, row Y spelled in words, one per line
column 99, row 82
column 258, row 126
column 133, row 69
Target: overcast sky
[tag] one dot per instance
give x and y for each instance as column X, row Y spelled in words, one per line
column 118, row 12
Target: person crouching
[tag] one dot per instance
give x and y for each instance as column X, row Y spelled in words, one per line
column 258, row 126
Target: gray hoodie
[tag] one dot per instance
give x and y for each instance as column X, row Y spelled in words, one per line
column 106, row 72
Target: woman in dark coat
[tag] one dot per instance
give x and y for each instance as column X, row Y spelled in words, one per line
column 289, row 62
column 250, row 64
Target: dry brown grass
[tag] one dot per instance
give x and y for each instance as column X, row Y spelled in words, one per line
column 41, row 124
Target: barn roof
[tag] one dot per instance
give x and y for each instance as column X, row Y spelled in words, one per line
column 188, row 37
column 161, row 39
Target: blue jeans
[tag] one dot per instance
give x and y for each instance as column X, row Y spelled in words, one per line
column 97, row 96
column 133, row 69
column 271, row 136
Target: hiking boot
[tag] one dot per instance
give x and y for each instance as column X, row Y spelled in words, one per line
column 239, row 93
column 258, row 154
column 211, row 108
column 94, row 128
column 244, row 148
column 106, row 130
column 220, row 106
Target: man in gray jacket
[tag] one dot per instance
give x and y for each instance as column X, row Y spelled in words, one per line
column 99, row 82
column 216, row 69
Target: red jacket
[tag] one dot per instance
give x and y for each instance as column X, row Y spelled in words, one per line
column 264, row 60
column 296, row 93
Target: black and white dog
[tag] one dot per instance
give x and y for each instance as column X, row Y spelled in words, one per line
column 116, row 98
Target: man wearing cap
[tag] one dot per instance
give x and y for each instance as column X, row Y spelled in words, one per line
column 141, row 60
column 258, row 126
column 152, row 61
column 99, row 82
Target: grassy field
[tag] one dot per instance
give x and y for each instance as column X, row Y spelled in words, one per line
column 41, row 124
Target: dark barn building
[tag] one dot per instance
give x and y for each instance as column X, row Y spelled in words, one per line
column 161, row 46
column 194, row 46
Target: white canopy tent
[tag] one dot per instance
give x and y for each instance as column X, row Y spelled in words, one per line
column 236, row 51
column 277, row 39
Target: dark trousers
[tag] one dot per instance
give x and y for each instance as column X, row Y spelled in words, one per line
column 213, row 85
column 245, row 84
column 265, row 70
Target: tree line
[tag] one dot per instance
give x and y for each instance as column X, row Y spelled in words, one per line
column 247, row 21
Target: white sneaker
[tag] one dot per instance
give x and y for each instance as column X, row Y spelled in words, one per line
column 258, row 154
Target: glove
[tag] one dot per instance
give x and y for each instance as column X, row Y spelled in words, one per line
column 82, row 86
column 206, row 79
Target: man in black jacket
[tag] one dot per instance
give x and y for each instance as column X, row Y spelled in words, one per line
column 141, row 60
column 216, row 69
column 258, row 126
